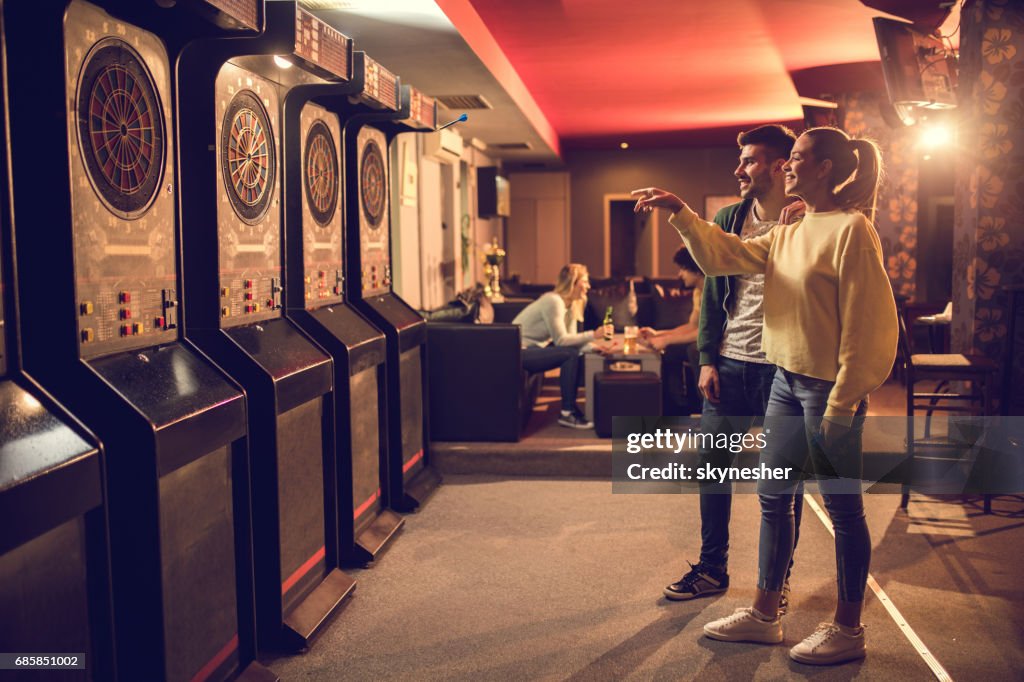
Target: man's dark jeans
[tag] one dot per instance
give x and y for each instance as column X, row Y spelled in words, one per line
column 743, row 392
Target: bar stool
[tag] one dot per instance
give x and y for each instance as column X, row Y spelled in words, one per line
column 943, row 368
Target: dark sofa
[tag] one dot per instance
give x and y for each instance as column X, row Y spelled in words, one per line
column 661, row 303
column 476, row 383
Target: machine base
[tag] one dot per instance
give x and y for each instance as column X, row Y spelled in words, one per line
column 312, row 612
column 371, row 541
column 254, row 672
column 421, row 487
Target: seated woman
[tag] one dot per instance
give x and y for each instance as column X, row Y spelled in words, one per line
column 550, row 338
column 679, row 344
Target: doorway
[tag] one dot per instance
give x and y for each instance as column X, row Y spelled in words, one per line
column 630, row 239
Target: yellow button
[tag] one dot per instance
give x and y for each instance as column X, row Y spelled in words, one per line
column 226, row 291
column 88, row 335
column 139, row 328
column 86, row 307
column 224, row 312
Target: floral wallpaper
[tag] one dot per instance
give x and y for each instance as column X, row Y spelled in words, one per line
column 989, row 223
column 896, row 213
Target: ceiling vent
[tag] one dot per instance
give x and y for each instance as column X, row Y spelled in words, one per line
column 511, row 146
column 461, row 102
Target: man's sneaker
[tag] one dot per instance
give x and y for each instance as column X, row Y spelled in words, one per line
column 701, row 581
column 831, row 643
column 575, row 420
column 784, row 599
column 745, row 625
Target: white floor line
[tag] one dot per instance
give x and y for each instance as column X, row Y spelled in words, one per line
column 926, row 655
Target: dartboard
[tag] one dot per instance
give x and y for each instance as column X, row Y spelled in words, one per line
column 371, row 183
column 321, row 173
column 120, row 128
column 247, row 159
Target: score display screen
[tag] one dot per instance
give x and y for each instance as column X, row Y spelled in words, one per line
column 320, row 45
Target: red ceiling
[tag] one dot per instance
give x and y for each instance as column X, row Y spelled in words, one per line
column 600, row 68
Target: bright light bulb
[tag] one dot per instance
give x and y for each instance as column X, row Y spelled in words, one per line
column 281, row 62
column 936, row 135
column 623, row 145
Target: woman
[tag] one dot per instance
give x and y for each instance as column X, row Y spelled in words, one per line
column 550, row 339
column 830, row 326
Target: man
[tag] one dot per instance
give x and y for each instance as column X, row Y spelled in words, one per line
column 735, row 378
column 680, row 343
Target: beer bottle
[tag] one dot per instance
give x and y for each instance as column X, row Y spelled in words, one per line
column 609, row 326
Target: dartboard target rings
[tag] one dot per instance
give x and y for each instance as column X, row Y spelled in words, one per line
column 120, row 128
column 248, row 162
column 320, row 175
column 372, row 185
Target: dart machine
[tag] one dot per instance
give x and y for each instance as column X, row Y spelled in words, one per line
column 54, row 580
column 317, row 299
column 230, row 139
column 374, row 117
column 98, row 261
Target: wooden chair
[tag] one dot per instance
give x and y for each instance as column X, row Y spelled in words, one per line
column 944, row 369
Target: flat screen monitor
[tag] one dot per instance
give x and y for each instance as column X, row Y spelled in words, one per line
column 918, row 68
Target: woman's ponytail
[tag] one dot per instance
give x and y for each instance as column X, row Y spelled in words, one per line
column 861, row 191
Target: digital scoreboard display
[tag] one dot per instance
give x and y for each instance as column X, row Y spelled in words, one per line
column 422, row 111
column 322, row 47
column 245, row 13
column 380, row 85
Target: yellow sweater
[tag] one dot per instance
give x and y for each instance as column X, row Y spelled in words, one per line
column 829, row 311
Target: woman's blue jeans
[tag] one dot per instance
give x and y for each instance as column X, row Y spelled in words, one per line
column 567, row 358
column 792, row 431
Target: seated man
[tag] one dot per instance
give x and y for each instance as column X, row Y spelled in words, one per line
column 680, row 397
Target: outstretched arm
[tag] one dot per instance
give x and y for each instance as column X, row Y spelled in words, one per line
column 684, row 333
column 717, row 252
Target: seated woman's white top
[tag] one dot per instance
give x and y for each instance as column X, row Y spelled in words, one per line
column 544, row 320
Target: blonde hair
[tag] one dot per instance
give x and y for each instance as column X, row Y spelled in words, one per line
column 567, row 279
column 856, row 167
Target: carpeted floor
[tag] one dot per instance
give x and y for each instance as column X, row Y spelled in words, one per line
column 561, row 579
column 542, row 573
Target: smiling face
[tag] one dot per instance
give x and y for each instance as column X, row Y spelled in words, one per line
column 804, row 176
column 755, row 171
column 582, row 286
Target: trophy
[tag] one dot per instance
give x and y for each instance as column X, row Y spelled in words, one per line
column 494, row 256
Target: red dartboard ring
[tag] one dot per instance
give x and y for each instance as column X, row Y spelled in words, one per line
column 248, row 162
column 120, row 128
column 321, row 173
column 372, row 187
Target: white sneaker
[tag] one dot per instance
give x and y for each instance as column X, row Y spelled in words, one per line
column 829, row 644
column 745, row 626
